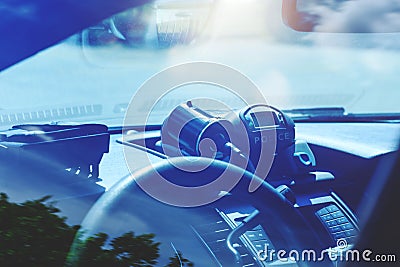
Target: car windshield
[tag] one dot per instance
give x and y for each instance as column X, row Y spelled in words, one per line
column 92, row 76
column 199, row 132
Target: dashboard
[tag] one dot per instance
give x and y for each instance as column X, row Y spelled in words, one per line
column 236, row 230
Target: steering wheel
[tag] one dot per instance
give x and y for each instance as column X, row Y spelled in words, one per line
column 126, row 197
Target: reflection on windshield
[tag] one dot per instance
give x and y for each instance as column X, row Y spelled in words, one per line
column 99, row 249
column 160, row 24
column 366, row 16
column 293, row 70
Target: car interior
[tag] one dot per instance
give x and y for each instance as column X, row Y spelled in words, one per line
column 199, row 160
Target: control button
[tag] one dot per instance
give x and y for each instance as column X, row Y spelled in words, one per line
column 260, row 244
column 327, row 217
column 256, row 235
column 332, row 208
column 342, row 220
column 339, row 235
column 331, row 223
column 351, row 232
column 247, row 260
column 336, row 229
column 347, row 226
column 258, row 227
column 337, row 214
column 322, row 212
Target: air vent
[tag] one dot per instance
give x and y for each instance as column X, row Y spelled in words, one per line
column 49, row 114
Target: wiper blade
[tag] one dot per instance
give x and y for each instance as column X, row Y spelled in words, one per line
column 338, row 114
column 313, row 112
column 138, row 128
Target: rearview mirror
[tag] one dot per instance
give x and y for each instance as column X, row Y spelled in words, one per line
column 342, row 16
column 161, row 24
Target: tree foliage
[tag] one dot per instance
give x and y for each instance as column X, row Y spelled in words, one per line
column 124, row 251
column 33, row 234
column 179, row 261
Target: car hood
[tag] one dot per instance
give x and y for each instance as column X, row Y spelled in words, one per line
column 29, row 26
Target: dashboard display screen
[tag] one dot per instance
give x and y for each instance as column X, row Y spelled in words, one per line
column 263, row 119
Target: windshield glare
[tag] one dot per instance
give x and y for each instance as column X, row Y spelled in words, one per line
column 97, row 71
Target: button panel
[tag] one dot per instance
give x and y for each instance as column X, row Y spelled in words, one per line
column 338, row 225
column 259, row 241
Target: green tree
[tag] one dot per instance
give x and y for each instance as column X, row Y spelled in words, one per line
column 178, row 261
column 137, row 251
column 90, row 252
column 32, row 234
column 127, row 250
